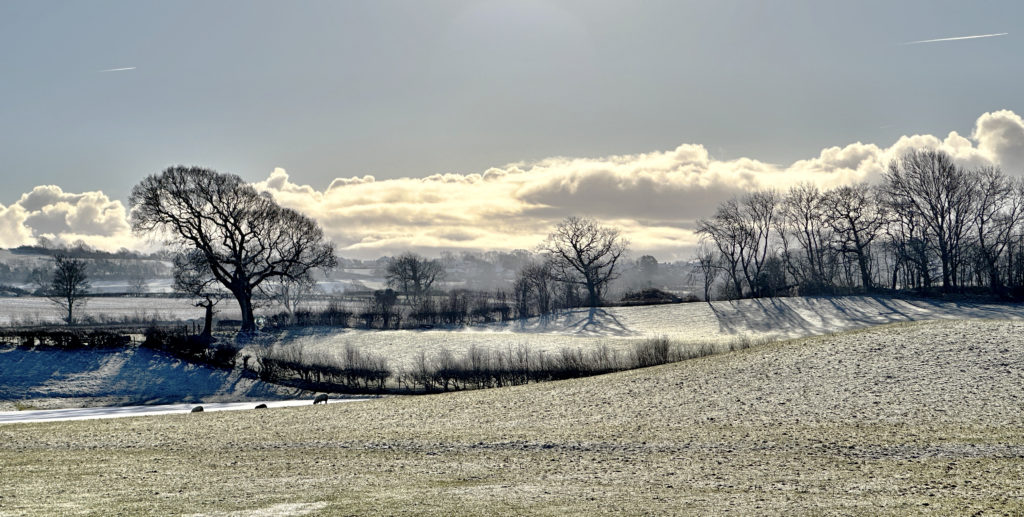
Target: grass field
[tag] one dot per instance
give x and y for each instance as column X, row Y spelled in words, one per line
column 901, row 419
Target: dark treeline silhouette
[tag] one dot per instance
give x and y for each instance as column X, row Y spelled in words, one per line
column 929, row 225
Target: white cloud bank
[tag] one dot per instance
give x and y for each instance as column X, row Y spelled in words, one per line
column 47, row 212
column 655, row 197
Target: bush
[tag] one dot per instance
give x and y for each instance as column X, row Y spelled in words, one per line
column 352, row 371
column 649, row 297
column 191, row 347
column 65, row 339
column 334, row 315
column 479, row 367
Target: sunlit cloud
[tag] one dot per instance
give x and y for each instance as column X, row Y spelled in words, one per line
column 654, row 197
column 957, row 38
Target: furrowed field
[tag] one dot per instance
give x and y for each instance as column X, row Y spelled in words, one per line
column 901, row 419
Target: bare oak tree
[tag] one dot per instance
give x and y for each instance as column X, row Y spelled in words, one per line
column 856, row 217
column 69, row 285
column 584, row 253
column 413, row 275
column 245, row 237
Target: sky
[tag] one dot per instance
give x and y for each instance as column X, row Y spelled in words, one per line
column 433, row 125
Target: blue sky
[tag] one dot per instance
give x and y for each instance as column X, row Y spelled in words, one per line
column 410, row 89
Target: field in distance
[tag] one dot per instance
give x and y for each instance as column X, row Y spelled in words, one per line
column 894, row 420
column 620, row 327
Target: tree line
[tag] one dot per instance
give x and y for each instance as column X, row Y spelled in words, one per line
column 929, row 225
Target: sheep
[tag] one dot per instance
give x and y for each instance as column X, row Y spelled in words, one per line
column 320, row 398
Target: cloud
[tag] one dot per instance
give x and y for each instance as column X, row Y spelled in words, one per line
column 119, row 69
column 13, row 231
column 64, row 217
column 655, row 197
column 1000, row 135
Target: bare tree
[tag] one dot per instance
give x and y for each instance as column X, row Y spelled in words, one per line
column 193, row 276
column 137, row 285
column 709, row 262
column 929, row 183
column 413, row 275
column 245, row 237
column 742, row 231
column 857, row 219
column 584, row 253
column 1000, row 210
column 534, row 288
column 759, row 210
column 290, row 293
column 730, row 234
column 69, row 285
column 648, row 266
column 803, row 218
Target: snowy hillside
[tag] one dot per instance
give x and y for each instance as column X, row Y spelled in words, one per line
column 58, row 378
column 619, row 327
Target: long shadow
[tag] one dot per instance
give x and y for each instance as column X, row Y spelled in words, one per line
column 760, row 315
column 599, row 321
column 144, row 376
column 836, row 313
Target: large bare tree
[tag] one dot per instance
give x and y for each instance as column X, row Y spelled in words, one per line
column 1000, row 211
column 929, row 183
column 413, row 275
column 584, row 253
column 730, row 233
column 245, row 237
column 856, row 217
column 803, row 218
column 69, row 285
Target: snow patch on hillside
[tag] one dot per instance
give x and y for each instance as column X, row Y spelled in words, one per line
column 132, row 376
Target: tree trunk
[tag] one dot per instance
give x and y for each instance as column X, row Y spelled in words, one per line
column 245, row 304
column 865, row 272
column 593, row 298
column 208, row 321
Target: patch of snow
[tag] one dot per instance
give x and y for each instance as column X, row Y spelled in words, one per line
column 52, row 415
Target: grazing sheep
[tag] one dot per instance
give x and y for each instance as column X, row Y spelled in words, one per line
column 320, row 398
column 197, row 409
column 261, row 406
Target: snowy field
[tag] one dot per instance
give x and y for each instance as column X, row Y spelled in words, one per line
column 63, row 415
column 35, row 310
column 620, row 327
column 46, row 379
column 914, row 419
column 53, row 379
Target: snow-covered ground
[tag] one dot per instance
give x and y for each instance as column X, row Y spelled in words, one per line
column 51, row 415
column 619, row 327
column 56, row 379
column 35, row 310
column 46, row 379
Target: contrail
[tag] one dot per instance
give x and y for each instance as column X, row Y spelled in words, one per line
column 118, row 69
column 956, row 38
